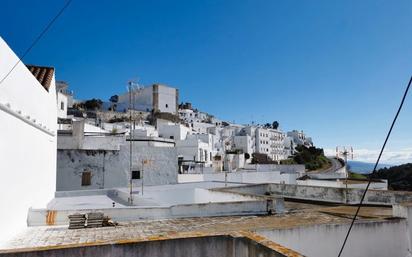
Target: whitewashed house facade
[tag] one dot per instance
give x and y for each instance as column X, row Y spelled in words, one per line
column 270, row 141
column 157, row 97
column 28, row 124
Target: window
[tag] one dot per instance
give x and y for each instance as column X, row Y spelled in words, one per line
column 86, row 178
column 135, row 174
column 172, row 137
column 62, row 105
column 167, row 106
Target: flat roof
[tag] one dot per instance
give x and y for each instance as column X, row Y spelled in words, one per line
column 301, row 214
column 160, row 195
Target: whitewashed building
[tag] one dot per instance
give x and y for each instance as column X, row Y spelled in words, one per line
column 271, row 142
column 300, row 138
column 244, row 143
column 195, row 149
column 62, row 102
column 64, row 99
column 171, row 130
column 88, row 161
column 157, row 97
column 28, row 124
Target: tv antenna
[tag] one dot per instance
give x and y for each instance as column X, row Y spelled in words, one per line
column 133, row 89
column 345, row 152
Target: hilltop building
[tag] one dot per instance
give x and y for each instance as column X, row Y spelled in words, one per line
column 299, row 138
column 157, row 98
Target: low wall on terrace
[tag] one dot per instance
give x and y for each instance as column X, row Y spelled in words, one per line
column 374, row 238
column 324, row 194
column 206, row 246
column 42, row 217
column 339, row 195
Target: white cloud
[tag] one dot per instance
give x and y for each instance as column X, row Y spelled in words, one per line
column 388, row 157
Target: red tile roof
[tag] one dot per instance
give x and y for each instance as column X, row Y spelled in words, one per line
column 43, row 74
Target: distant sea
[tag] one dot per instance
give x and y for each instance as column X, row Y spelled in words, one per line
column 364, row 167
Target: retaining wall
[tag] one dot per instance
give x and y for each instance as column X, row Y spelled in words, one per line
column 375, row 238
column 206, row 246
column 339, row 195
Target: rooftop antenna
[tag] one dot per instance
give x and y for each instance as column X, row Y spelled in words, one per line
column 345, row 152
column 133, row 87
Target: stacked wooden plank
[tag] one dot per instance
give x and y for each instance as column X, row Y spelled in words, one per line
column 95, row 219
column 77, row 221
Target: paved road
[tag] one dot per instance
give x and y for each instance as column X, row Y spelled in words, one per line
column 329, row 172
column 336, row 165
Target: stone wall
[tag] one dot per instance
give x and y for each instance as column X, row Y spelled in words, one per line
column 110, row 169
column 339, row 195
column 205, row 246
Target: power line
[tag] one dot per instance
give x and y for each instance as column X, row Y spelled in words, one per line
column 376, row 165
column 37, row 39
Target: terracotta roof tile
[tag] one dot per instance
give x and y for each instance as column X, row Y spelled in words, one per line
column 43, row 74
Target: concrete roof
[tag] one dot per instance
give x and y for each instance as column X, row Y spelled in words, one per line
column 301, row 214
column 161, row 195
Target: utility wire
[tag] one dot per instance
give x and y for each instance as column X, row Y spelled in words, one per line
column 376, row 165
column 37, row 39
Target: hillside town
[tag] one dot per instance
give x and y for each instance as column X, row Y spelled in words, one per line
column 146, row 172
column 153, row 121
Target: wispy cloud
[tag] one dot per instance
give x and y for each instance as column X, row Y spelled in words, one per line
column 388, row 157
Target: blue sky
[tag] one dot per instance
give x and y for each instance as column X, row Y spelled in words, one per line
column 336, row 69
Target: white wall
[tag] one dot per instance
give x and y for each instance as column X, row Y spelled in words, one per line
column 341, row 183
column 195, row 149
column 244, row 143
column 378, row 239
column 167, row 99
column 62, row 101
column 27, row 145
column 143, row 100
column 236, row 177
column 201, row 127
column 172, row 131
column 110, row 168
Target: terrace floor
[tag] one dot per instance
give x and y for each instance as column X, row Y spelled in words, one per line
column 300, row 214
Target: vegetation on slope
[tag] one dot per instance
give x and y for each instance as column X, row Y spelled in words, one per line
column 261, row 158
column 399, row 177
column 92, row 104
column 313, row 158
column 354, row 175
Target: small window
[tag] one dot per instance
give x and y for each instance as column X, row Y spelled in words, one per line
column 62, row 105
column 167, row 106
column 136, row 174
column 86, row 178
column 172, row 137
